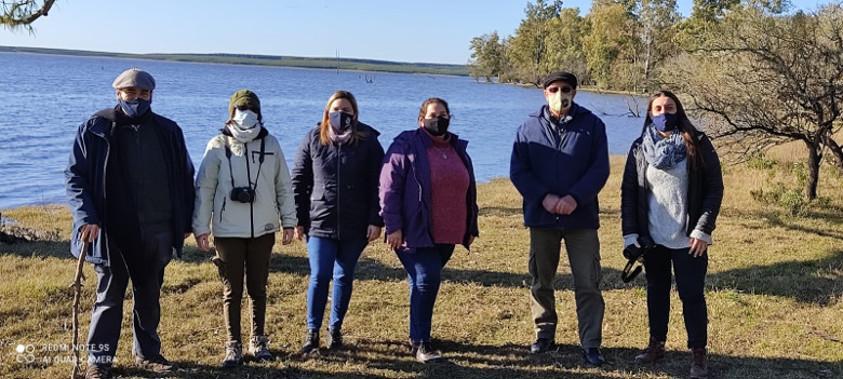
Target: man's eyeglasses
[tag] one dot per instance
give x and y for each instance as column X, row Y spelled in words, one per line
column 564, row 89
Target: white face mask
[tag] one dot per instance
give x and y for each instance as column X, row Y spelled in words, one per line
column 559, row 101
column 245, row 120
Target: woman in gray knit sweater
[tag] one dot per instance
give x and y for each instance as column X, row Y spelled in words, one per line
column 670, row 197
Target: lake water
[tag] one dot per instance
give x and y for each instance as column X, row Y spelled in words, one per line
column 46, row 97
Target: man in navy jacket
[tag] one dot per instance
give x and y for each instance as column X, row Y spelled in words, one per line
column 130, row 185
column 559, row 164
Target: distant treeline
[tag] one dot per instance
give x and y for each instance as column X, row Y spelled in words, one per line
column 270, row 60
column 619, row 45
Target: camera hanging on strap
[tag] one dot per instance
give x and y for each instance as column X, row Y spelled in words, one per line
column 245, row 194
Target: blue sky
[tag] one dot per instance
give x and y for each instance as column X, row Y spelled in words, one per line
column 436, row 31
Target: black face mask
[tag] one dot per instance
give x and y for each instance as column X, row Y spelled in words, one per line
column 437, row 126
column 340, row 121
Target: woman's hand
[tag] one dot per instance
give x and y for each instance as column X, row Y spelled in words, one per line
column 299, row 233
column 202, row 242
column 698, row 247
column 395, row 240
column 287, row 236
column 373, row 233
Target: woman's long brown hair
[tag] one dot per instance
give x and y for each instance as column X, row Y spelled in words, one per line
column 689, row 132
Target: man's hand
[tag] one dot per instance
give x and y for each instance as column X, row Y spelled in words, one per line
column 287, row 236
column 395, row 240
column 90, row 232
column 202, row 242
column 550, row 203
column 566, row 205
column 698, row 247
column 373, row 233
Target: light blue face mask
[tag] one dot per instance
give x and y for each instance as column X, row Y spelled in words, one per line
column 134, row 108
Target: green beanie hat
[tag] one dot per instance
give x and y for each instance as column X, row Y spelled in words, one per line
column 244, row 98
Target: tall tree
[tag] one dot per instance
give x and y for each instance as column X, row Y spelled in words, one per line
column 527, row 47
column 609, row 47
column 563, row 43
column 657, row 20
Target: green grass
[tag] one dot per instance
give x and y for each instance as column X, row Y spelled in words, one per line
column 774, row 293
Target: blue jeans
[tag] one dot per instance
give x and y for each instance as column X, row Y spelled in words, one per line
column 690, row 282
column 424, row 274
column 328, row 256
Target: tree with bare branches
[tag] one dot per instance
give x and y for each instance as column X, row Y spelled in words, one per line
column 765, row 79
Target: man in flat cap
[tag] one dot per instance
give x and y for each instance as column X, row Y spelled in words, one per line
column 130, row 186
column 559, row 164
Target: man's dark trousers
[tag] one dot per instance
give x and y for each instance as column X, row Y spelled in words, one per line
column 144, row 265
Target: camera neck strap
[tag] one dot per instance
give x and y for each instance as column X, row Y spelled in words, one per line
column 260, row 164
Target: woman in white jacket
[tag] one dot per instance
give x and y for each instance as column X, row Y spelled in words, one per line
column 244, row 196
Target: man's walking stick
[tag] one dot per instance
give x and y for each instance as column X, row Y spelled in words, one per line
column 77, row 294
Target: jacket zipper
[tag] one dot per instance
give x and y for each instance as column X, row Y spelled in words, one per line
column 423, row 206
column 104, row 192
column 339, row 186
column 224, row 198
column 249, row 182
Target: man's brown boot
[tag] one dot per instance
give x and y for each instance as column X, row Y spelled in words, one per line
column 652, row 353
column 699, row 367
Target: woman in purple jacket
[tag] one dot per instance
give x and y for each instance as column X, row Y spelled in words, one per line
column 428, row 198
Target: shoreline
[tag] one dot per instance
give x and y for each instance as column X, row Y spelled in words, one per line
column 343, row 64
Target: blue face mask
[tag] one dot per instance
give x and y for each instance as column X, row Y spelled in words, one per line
column 134, row 108
column 340, row 121
column 665, row 122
